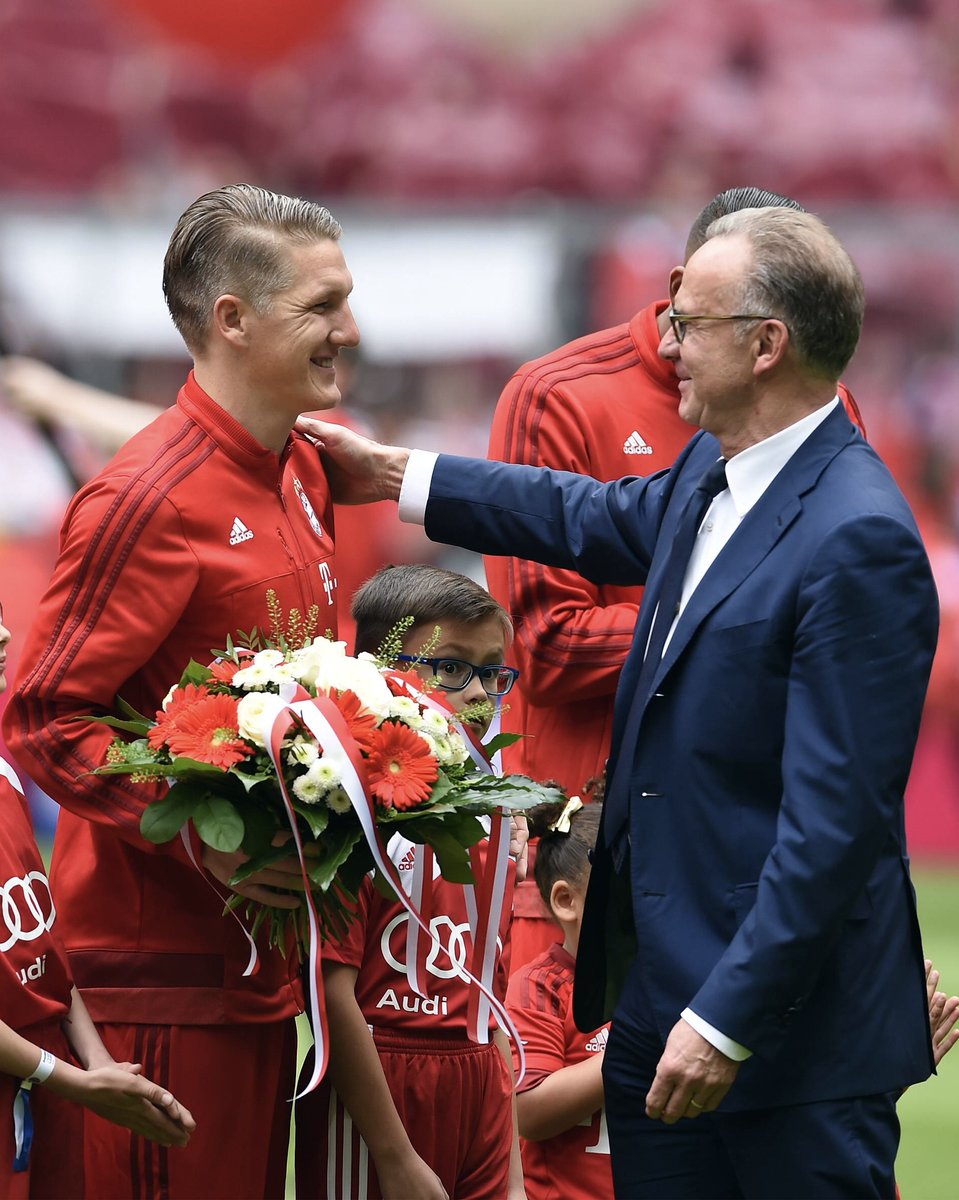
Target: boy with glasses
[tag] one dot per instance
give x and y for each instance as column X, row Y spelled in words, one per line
column 410, row 1106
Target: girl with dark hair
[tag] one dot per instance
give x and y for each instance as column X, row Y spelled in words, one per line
column 560, row 1105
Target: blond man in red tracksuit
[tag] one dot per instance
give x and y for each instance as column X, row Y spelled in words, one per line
column 171, row 548
column 604, row 405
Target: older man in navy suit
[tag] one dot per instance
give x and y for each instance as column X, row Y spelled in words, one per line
column 771, row 1004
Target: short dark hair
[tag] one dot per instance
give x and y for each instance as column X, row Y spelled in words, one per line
column 423, row 592
column 231, row 241
column 562, row 855
column 800, row 273
column 730, row 201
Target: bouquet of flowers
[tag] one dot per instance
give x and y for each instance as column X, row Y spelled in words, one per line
column 272, row 735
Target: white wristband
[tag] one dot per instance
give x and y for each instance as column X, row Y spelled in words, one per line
column 44, row 1068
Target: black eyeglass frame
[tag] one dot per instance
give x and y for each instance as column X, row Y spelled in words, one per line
column 679, row 320
column 435, row 663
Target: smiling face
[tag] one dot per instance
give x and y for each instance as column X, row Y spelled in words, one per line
column 482, row 643
column 290, row 349
column 714, row 363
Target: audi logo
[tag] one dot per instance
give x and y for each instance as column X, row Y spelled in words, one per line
column 453, row 938
column 27, row 907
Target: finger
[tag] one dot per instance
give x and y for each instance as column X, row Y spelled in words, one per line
column 266, row 895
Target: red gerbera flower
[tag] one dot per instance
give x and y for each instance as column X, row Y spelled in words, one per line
column 209, row 732
column 181, row 700
column 401, row 767
column 361, row 722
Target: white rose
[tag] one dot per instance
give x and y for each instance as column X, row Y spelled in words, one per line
column 169, row 696
column 362, row 678
column 306, row 662
column 256, row 714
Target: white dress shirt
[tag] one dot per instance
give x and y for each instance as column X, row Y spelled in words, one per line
column 748, row 474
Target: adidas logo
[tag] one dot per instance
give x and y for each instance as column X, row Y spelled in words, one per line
column 406, row 863
column 599, row 1041
column 239, row 532
column 634, row 444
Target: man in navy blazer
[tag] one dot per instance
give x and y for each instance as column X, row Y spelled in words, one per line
column 750, row 912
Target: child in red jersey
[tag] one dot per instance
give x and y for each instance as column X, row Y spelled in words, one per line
column 46, row 1029
column 410, row 1107
column 560, row 1105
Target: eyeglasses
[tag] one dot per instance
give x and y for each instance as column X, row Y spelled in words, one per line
column 454, row 674
column 679, row 320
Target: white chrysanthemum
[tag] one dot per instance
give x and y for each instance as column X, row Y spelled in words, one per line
column 338, row 800
column 322, row 777
column 444, row 751
column 258, row 676
column 458, row 750
column 405, row 709
column 256, row 713
column 268, row 658
column 302, row 750
column 435, row 723
column 308, row 790
column 431, row 741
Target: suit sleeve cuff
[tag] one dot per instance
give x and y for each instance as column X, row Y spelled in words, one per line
column 415, row 491
column 725, row 1045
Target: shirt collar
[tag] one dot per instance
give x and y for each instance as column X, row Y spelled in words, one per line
column 749, row 473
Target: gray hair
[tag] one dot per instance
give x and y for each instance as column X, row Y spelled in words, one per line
column 232, row 241
column 800, row 274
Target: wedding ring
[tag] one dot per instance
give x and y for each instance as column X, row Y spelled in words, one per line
column 695, row 1105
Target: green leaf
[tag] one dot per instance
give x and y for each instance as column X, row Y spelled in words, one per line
column 317, row 816
column 260, row 825
column 195, row 673
column 449, row 839
column 251, row 779
column 163, row 819
column 258, row 861
column 130, row 711
column 192, row 766
column 219, row 824
column 337, row 845
column 139, row 727
column 501, row 741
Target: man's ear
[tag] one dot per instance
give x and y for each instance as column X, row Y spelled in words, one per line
column 675, row 279
column 773, row 343
column 230, row 317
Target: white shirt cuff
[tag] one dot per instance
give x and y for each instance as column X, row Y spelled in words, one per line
column 725, row 1045
column 415, row 490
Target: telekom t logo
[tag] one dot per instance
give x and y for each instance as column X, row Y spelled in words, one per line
column 329, row 581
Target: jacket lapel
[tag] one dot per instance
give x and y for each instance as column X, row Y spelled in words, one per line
column 760, row 530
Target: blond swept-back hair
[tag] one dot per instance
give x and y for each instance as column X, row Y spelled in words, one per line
column 231, row 241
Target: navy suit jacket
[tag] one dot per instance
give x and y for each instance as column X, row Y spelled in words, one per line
column 768, row 880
